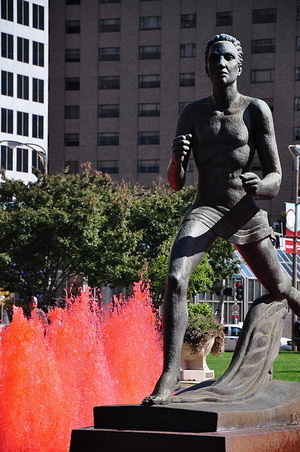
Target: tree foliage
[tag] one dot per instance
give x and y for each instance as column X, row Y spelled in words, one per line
column 62, row 226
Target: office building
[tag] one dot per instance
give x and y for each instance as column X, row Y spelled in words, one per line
column 121, row 71
column 24, row 87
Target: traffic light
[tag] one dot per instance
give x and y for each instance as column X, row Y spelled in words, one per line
column 239, row 291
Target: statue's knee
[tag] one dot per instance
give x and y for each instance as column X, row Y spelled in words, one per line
column 176, row 282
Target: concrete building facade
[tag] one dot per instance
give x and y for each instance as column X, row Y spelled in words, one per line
column 121, row 70
column 24, row 87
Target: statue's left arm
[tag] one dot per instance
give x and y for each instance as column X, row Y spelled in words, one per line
column 265, row 143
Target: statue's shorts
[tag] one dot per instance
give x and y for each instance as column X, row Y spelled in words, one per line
column 239, row 227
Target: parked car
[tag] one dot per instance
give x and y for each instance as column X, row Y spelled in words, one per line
column 232, row 332
column 285, row 344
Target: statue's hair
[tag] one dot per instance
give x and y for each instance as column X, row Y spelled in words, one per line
column 224, row 37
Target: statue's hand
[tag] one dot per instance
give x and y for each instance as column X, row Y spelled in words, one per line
column 181, row 146
column 251, row 183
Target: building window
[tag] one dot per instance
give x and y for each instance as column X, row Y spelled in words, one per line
column 108, row 111
column 7, row 83
column 296, row 134
column 263, row 46
column 297, row 103
column 38, row 53
column 22, row 123
column 72, row 84
column 149, row 81
column 72, row 166
column 6, row 158
column 109, row 54
column 149, row 110
column 23, row 87
column 7, row 10
column 109, row 82
column 108, row 166
column 150, row 23
column 37, row 161
column 263, row 16
column 148, row 138
column 38, row 90
column 37, row 126
column 108, row 139
column 109, row 1
column 23, row 50
column 109, row 25
column 188, row 21
column 187, row 50
column 187, row 79
column 72, row 55
column 6, row 120
column 224, row 18
column 72, row 111
column 147, row 166
column 23, row 12
column 7, row 46
column 72, row 2
column 270, row 102
column 297, row 74
column 72, row 26
column 262, row 75
column 149, row 52
column 298, row 43
column 22, row 160
column 71, row 139
column 38, row 20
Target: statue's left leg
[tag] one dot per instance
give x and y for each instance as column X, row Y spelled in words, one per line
column 262, row 259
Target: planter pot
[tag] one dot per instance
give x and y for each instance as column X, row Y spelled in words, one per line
column 194, row 366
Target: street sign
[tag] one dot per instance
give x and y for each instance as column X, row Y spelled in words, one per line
column 289, row 246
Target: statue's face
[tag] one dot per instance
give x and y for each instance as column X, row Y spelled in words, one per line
column 223, row 63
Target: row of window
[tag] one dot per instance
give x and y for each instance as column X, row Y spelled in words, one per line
column 153, row 80
column 144, row 109
column 22, row 159
column 22, row 88
column 113, row 110
column 112, row 138
column 186, row 21
column 22, row 13
column 8, row 51
column 143, row 138
column 112, row 166
column 22, row 123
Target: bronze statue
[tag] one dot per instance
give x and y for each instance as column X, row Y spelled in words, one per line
column 223, row 130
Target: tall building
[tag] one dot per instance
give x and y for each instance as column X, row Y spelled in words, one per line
column 24, row 87
column 121, row 71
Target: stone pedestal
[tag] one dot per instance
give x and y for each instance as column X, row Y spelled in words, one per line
column 266, row 423
column 250, row 440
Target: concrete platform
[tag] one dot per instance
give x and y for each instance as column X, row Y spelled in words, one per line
column 273, row 439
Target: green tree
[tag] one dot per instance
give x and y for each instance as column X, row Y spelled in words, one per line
column 156, row 215
column 64, row 225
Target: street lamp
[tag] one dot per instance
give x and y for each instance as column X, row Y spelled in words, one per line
column 295, row 153
column 41, row 152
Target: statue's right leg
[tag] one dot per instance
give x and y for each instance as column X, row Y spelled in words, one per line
column 191, row 244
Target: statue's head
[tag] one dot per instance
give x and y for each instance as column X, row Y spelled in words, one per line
column 224, row 37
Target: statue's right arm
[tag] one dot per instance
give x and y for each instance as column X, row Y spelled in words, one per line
column 181, row 149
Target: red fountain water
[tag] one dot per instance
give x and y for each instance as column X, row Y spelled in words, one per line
column 51, row 380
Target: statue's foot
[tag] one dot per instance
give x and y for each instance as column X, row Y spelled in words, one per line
column 163, row 391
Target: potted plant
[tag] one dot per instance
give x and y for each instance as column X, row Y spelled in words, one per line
column 204, row 335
